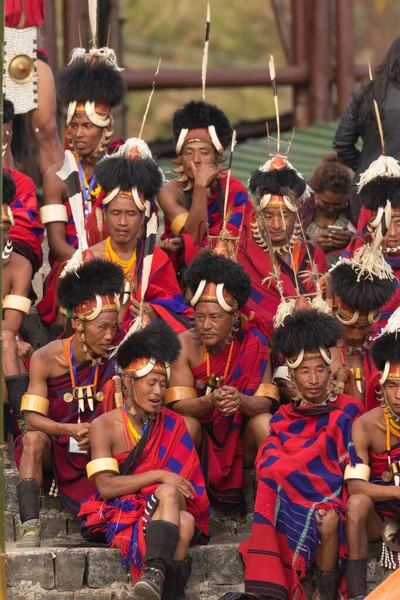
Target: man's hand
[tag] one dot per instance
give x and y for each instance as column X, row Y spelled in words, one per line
column 323, row 241
column 183, row 485
column 171, row 245
column 204, row 174
column 226, row 399
column 80, row 432
column 25, row 350
column 147, row 309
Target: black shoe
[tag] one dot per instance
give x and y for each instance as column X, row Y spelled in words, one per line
column 150, row 585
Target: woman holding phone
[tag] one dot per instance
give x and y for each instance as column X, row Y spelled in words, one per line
column 327, row 221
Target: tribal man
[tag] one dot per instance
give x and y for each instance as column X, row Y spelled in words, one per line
column 65, row 394
column 28, row 232
column 360, row 287
column 193, row 204
column 90, row 86
column 276, row 259
column 147, row 472
column 299, row 505
column 221, row 382
column 29, row 81
column 374, row 485
column 131, row 178
column 16, row 283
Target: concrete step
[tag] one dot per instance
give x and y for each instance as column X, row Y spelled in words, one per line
column 57, row 524
column 80, row 572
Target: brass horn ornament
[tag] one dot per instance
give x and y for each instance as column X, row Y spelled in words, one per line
column 391, row 533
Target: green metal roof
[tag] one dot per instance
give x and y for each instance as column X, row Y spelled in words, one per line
column 308, row 148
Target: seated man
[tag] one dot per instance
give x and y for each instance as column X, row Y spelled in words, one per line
column 374, row 485
column 151, row 492
column 64, row 395
column 193, row 203
column 299, row 505
column 131, row 178
column 360, row 288
column 221, row 381
column 27, row 234
column 16, row 283
column 90, row 86
column 276, row 259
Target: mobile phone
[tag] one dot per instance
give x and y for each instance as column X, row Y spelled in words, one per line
column 336, row 228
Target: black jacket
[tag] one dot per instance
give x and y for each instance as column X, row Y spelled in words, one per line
column 350, row 130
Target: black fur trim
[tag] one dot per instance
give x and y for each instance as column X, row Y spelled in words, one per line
column 96, row 82
column 8, row 111
column 144, row 174
column 218, row 269
column 198, row 114
column 386, row 347
column 96, row 276
column 157, row 341
column 363, row 295
column 9, row 188
column 308, row 329
column 276, row 181
column 375, row 193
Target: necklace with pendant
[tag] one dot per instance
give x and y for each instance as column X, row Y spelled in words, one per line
column 80, row 393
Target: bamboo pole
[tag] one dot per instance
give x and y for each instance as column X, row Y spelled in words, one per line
column 2, row 536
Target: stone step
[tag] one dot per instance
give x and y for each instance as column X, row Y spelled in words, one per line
column 57, row 524
column 80, row 572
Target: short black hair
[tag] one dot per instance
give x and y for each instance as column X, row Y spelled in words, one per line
column 9, row 188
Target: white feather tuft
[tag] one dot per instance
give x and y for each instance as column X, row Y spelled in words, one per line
column 384, row 166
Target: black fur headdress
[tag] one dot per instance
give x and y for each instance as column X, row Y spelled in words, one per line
column 157, row 341
column 9, row 188
column 200, row 114
column 8, row 111
column 218, row 269
column 375, row 193
column 142, row 173
column 386, row 347
column 93, row 277
column 369, row 293
column 305, row 330
column 93, row 81
column 277, row 181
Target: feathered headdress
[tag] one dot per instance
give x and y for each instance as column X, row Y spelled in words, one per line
column 386, row 349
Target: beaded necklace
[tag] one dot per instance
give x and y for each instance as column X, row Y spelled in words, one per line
column 132, row 437
column 392, row 428
column 88, row 190
column 213, row 380
column 81, row 392
column 127, row 266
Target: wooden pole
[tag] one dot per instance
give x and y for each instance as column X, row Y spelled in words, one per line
column 321, row 60
column 300, row 57
column 3, row 584
column 75, row 18
column 345, row 47
column 50, row 33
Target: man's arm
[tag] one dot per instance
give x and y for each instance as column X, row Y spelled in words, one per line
column 204, row 175
column 20, row 286
column 346, row 136
column 377, row 493
column 172, row 203
column 53, row 193
column 255, row 405
column 182, row 376
column 114, row 486
column 39, row 372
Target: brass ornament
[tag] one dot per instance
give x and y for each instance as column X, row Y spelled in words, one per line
column 391, row 533
column 386, row 476
column 21, row 69
column 99, row 396
column 68, row 397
